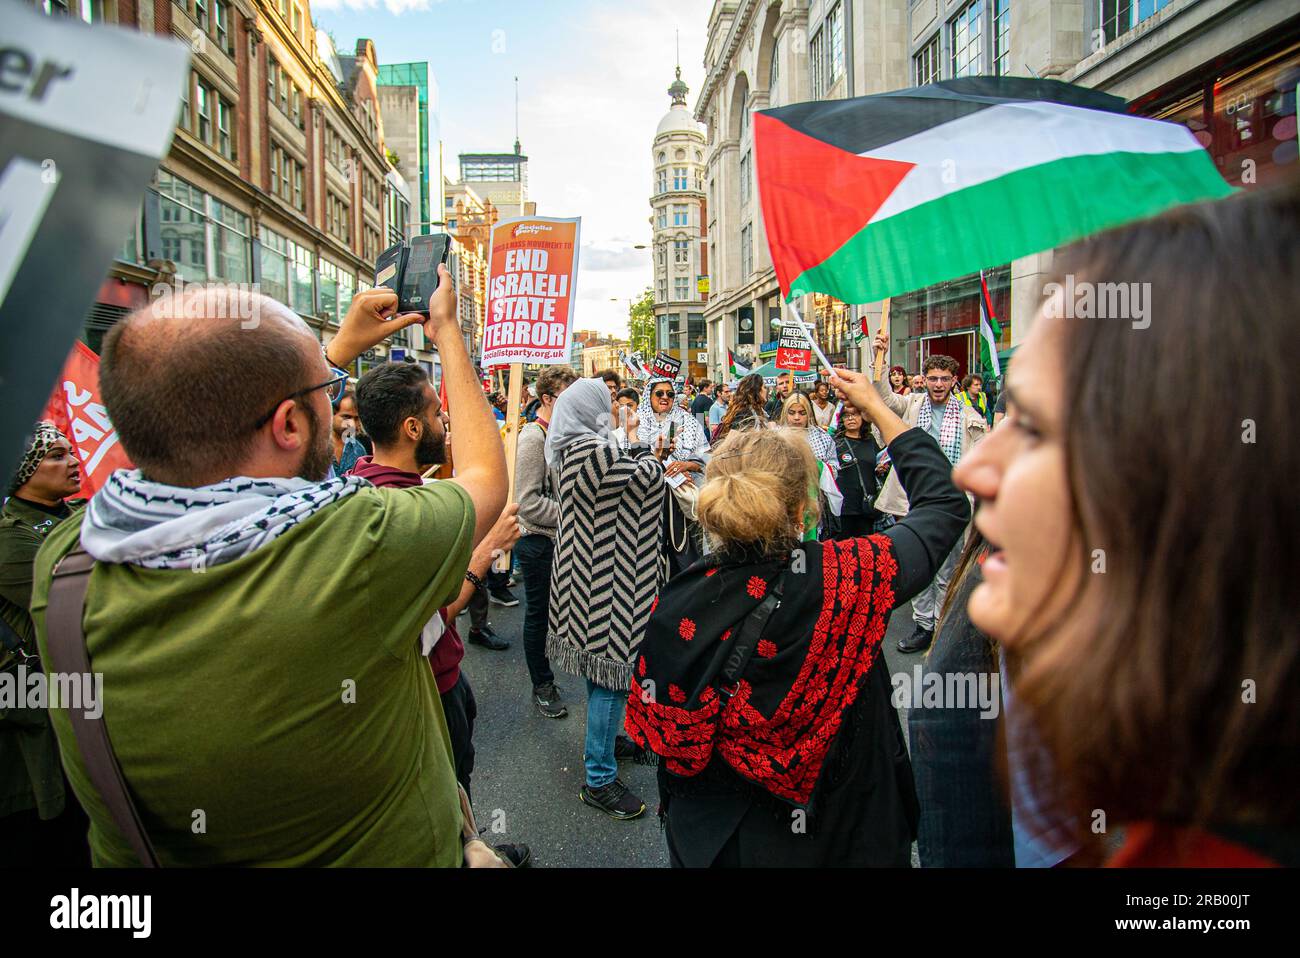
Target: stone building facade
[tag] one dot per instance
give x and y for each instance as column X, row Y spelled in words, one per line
column 679, row 233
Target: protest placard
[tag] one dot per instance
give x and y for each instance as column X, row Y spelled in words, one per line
column 85, row 114
column 533, row 269
column 793, row 351
column 666, row 366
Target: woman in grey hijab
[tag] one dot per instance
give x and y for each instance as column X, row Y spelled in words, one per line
column 606, row 572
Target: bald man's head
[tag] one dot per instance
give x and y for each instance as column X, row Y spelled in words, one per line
column 185, row 381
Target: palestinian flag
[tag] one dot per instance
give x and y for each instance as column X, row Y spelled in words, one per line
column 736, row 368
column 990, row 333
column 879, row 195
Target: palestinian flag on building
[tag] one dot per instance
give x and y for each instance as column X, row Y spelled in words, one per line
column 879, row 195
column 735, row 368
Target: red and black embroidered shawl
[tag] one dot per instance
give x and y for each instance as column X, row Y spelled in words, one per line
column 780, row 720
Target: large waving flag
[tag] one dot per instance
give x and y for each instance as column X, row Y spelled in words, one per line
column 878, row 195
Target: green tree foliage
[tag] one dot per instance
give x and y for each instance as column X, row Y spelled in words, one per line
column 641, row 325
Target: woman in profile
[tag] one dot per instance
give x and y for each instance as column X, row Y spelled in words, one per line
column 761, row 687
column 1156, row 640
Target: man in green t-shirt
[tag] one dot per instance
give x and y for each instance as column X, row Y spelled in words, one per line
column 254, row 622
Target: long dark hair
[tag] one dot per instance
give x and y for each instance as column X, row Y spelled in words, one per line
column 746, row 404
column 1178, row 703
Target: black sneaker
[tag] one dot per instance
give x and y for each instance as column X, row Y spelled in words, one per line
column 614, row 800
column 488, row 639
column 624, row 747
column 548, row 701
column 518, row 855
column 502, row 596
column 918, row 641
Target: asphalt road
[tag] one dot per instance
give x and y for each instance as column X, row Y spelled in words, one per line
column 528, row 769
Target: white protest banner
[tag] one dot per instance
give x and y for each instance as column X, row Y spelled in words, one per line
column 532, row 272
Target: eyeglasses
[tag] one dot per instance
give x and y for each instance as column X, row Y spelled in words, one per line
column 938, row 380
column 334, row 385
column 662, row 395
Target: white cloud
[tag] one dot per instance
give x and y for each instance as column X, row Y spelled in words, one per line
column 611, row 256
column 588, row 129
column 395, row 7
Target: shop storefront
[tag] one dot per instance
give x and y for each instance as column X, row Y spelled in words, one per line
column 1242, row 109
column 943, row 319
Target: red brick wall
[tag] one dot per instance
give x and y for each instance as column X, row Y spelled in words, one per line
column 127, row 14
column 162, row 16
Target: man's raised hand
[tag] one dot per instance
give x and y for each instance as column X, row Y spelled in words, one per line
column 371, row 318
column 442, row 309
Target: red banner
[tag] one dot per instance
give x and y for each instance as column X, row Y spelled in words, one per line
column 74, row 407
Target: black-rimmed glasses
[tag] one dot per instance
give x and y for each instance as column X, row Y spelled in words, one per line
column 334, row 385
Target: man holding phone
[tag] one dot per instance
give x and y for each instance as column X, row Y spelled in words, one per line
column 310, row 729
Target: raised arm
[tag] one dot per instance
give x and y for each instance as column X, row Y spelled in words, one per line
column 480, row 457
column 939, row 511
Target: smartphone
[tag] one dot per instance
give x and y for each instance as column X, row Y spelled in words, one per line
column 420, row 274
column 672, row 431
column 389, row 267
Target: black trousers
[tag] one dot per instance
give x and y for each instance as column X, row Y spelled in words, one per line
column 478, row 602
column 535, row 553
column 460, row 709
column 27, row 841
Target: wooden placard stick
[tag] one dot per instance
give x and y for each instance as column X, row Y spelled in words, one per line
column 512, row 443
column 879, row 361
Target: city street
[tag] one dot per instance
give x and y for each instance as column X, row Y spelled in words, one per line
column 528, row 769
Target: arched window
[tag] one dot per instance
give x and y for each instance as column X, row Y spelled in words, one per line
column 774, row 74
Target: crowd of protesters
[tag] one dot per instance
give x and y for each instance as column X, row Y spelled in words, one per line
column 717, row 563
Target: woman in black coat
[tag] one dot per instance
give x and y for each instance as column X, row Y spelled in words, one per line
column 760, row 685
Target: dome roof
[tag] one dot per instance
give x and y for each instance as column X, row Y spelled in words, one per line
column 678, row 120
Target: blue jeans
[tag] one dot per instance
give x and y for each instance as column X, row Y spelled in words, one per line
column 605, row 709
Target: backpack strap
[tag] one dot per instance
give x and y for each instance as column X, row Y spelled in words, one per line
column 67, row 653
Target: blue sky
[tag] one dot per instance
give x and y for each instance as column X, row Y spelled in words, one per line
column 593, row 80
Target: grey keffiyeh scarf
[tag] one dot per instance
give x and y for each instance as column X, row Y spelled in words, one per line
column 134, row 521
column 949, row 427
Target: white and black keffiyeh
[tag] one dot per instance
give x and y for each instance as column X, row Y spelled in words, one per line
column 949, row 427
column 134, row 521
column 692, row 442
column 823, row 447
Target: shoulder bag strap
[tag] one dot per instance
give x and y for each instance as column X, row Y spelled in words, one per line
column 751, row 630
column 66, row 645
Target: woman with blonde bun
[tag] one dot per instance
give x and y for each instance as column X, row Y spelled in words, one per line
column 760, row 686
